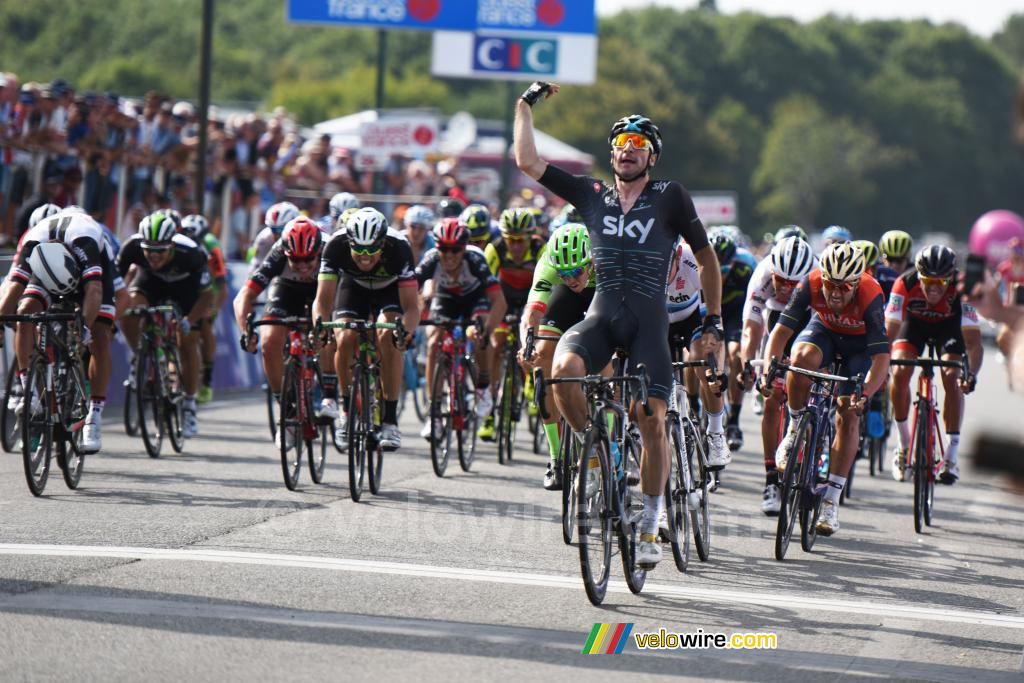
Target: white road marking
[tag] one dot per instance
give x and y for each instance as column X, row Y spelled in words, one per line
column 710, row 595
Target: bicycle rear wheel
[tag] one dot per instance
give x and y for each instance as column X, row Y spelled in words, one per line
column 443, row 407
column 791, row 489
column 131, row 408
column 700, row 480
column 174, row 399
column 569, row 463
column 677, row 491
column 10, row 425
column 374, row 451
column 358, row 431
column 36, row 428
column 324, row 430
column 506, row 427
column 812, row 496
column 628, row 506
column 290, row 437
column 74, row 409
column 594, row 516
column 149, row 400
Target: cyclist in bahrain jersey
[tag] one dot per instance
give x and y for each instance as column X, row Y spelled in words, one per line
column 633, row 226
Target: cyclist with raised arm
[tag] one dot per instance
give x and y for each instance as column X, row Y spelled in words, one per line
column 459, row 285
column 924, row 309
column 634, row 224
column 563, row 287
column 512, row 259
column 169, row 268
column 288, row 275
column 840, row 310
column 27, row 292
column 736, row 273
column 197, row 228
column 771, row 286
column 366, row 273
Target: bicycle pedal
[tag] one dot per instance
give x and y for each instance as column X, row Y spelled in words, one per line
column 716, row 468
column 646, row 566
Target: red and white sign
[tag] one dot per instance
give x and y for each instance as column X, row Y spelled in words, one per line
column 716, row 208
column 408, row 136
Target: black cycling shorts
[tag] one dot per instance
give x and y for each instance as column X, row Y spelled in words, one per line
column 159, row 292
column 686, row 331
column 947, row 336
column 287, row 298
column 565, row 308
column 361, row 303
column 732, row 321
column 465, row 307
column 613, row 325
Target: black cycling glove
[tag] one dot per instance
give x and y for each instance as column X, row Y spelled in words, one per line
column 535, row 92
column 713, row 326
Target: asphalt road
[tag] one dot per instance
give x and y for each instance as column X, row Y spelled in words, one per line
column 203, row 566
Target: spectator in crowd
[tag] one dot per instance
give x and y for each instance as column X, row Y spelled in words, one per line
column 343, row 173
column 50, row 192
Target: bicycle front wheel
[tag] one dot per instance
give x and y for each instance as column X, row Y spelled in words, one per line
column 792, row 492
column 149, row 400
column 10, row 425
column 374, row 451
column 466, row 404
column 441, row 415
column 131, row 409
column 271, row 410
column 289, row 427
column 677, row 495
column 700, row 498
column 628, row 507
column 506, row 426
column 358, row 428
column 74, row 409
column 36, row 428
column 594, row 516
column 174, row 397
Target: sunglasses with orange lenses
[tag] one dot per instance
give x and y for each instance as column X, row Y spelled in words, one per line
column 636, row 139
column 783, row 282
column 934, row 281
column 838, row 286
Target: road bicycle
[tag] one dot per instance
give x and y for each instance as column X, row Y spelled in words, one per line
column 297, row 425
column 156, row 383
column 509, row 406
column 606, row 504
column 56, row 401
column 453, row 415
column 365, row 403
column 10, row 425
column 806, row 475
column 927, row 449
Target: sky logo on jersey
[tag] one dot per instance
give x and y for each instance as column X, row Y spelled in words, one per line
column 634, row 229
column 519, row 55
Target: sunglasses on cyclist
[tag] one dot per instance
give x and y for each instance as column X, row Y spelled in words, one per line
column 838, row 286
column 934, row 281
column 516, row 238
column 636, row 139
column 307, row 259
column 783, row 282
column 571, row 273
column 156, row 248
column 451, row 250
column 370, row 250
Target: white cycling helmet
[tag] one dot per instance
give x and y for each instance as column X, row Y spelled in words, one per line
column 42, row 213
column 158, row 228
column 367, row 227
column 419, row 215
column 279, row 215
column 342, row 201
column 194, row 226
column 792, row 258
column 55, row 268
column 842, row 262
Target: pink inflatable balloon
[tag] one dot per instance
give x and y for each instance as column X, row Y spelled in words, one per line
column 992, row 232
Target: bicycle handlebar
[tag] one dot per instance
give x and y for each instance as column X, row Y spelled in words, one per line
column 144, row 310
column 590, row 381
column 38, row 317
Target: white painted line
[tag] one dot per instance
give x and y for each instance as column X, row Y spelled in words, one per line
column 710, row 595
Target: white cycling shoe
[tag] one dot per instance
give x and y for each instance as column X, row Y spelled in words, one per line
column 92, row 440
column 718, row 451
column 782, row 452
column 771, row 500
column 648, row 552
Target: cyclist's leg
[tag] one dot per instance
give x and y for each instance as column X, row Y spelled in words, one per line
column 908, row 345
column 585, row 348
column 141, row 291
column 391, row 361
column 35, row 299
column 856, row 361
column 565, row 309
column 188, row 345
column 352, row 303
column 100, row 361
column 733, row 324
column 953, row 349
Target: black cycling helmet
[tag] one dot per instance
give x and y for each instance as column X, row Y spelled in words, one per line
column 449, row 207
column 725, row 248
column 636, row 123
column 935, row 261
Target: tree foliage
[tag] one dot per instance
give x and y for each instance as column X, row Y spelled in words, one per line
column 870, row 124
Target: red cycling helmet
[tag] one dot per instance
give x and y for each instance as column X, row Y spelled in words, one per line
column 302, row 238
column 450, row 233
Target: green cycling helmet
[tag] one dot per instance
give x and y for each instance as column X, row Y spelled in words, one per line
column 517, row 222
column 871, row 253
column 569, row 247
column 896, row 244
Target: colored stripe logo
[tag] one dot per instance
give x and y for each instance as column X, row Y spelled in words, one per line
column 607, row 639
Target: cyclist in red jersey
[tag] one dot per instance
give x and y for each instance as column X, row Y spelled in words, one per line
column 839, row 309
column 925, row 307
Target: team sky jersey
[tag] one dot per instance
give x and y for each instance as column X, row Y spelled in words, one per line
column 734, row 285
column 761, row 294
column 395, row 264
column 545, row 279
column 473, row 275
column 863, row 317
column 683, row 292
column 886, row 278
column 631, row 252
column 515, row 278
column 907, row 302
column 188, row 266
column 81, row 234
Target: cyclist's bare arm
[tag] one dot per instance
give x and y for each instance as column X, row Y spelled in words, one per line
column 498, row 308
column 201, row 308
column 91, row 300
column 710, row 279
column 527, row 158
column 892, row 328
column 243, row 305
column 877, row 374
column 409, row 298
column 12, row 293
column 975, row 350
column 323, row 304
column 751, row 341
